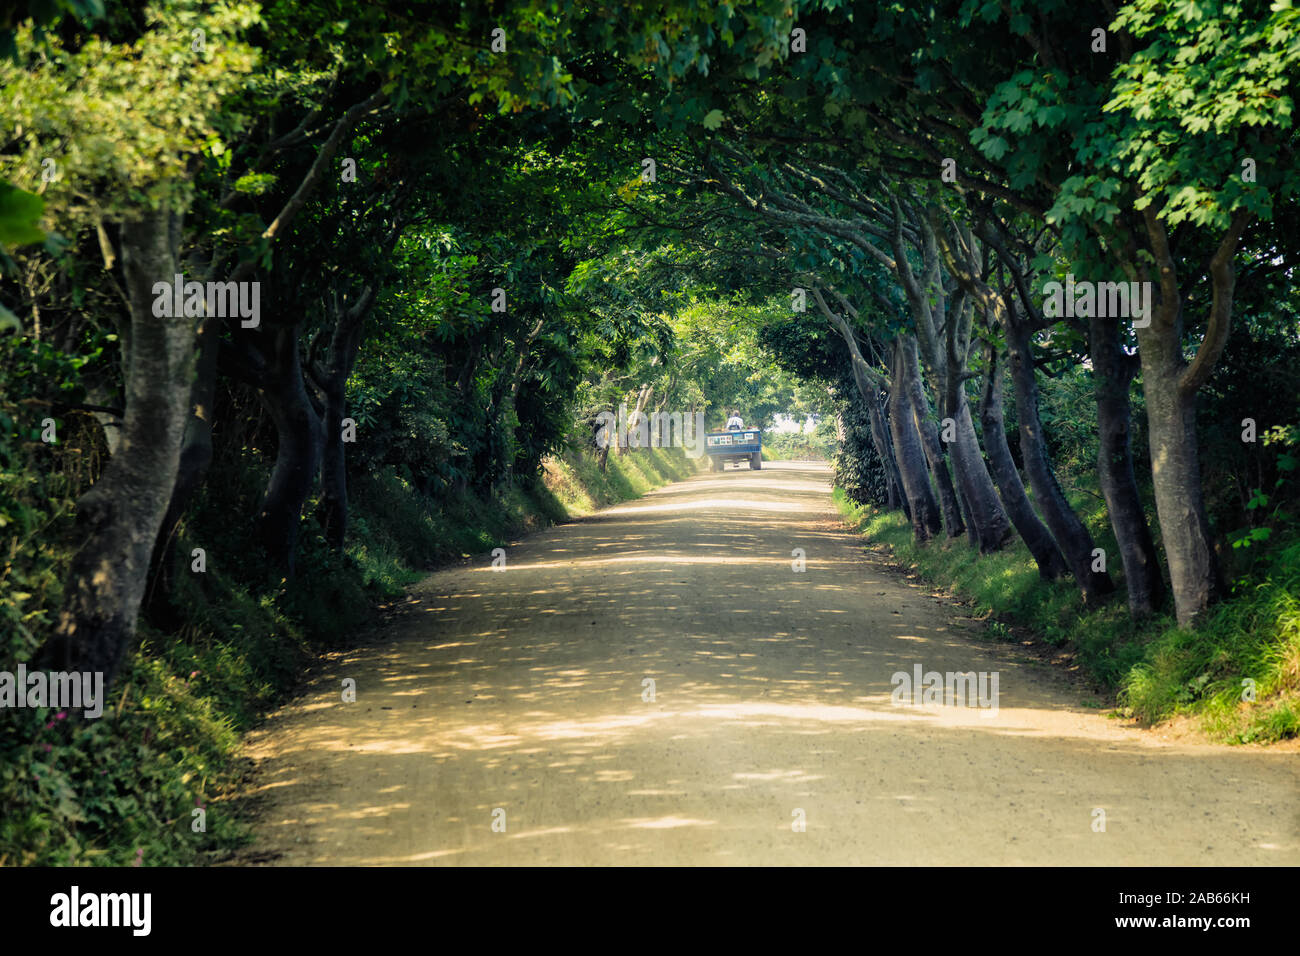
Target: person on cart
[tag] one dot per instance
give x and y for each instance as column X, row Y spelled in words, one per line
column 736, row 448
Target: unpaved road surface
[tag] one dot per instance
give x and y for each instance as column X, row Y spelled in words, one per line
column 519, row 697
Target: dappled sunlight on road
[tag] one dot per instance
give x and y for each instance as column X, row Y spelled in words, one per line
column 713, row 504
column 659, row 685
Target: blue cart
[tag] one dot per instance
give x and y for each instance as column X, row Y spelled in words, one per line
column 743, row 444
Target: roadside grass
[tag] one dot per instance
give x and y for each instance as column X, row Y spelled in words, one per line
column 1155, row 669
column 399, row 534
column 578, row 486
column 1253, row 636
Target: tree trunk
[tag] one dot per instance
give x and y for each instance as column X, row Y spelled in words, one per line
column 333, row 470
column 1051, row 564
column 929, row 432
column 895, row 499
column 331, row 381
column 1113, row 371
column 972, row 531
column 983, row 509
column 866, row 381
column 119, row 517
column 987, row 524
column 1170, row 384
column 602, row 450
column 195, row 457
column 1176, row 469
column 1071, row 536
column 300, row 442
column 642, row 396
column 911, row 456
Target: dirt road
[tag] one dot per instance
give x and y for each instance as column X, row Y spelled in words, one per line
column 506, row 718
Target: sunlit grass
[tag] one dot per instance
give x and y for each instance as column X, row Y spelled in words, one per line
column 1156, row 669
column 581, row 487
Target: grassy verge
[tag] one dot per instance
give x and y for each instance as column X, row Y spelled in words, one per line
column 401, row 534
column 579, row 486
column 145, row 783
column 1155, row 669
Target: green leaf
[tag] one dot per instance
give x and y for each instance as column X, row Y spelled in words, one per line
column 8, row 321
column 996, row 148
column 19, row 214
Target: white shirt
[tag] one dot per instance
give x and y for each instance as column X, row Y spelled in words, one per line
column 735, row 422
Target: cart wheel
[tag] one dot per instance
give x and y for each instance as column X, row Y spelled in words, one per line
column 756, row 461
